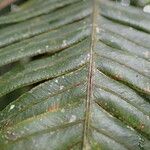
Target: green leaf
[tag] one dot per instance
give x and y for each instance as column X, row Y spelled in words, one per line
column 45, row 7
column 87, row 64
column 140, row 2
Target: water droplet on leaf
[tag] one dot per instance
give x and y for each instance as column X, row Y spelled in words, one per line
column 11, row 107
column 146, row 9
column 63, row 110
column 56, row 81
column 97, row 30
column 47, row 46
column 64, row 43
column 72, row 118
column 61, row 87
column 125, row 2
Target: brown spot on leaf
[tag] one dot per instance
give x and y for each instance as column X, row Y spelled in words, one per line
column 117, row 77
column 147, row 89
column 142, row 126
column 53, row 108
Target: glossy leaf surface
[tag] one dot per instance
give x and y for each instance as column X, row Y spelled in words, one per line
column 89, row 65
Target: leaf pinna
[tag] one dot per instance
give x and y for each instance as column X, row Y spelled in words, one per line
column 85, row 65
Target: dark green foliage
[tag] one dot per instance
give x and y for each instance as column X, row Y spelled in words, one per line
column 83, row 67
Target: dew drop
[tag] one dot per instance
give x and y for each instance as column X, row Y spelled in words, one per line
column 146, row 54
column 130, row 128
column 56, row 81
column 146, row 9
column 64, row 43
column 12, row 107
column 148, row 117
column 82, row 62
column 61, row 87
column 39, row 51
column 47, row 46
column 125, row 2
column 97, row 30
column 88, row 56
column 63, row 110
column 72, row 118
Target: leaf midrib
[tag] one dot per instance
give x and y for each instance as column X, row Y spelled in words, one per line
column 89, row 97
